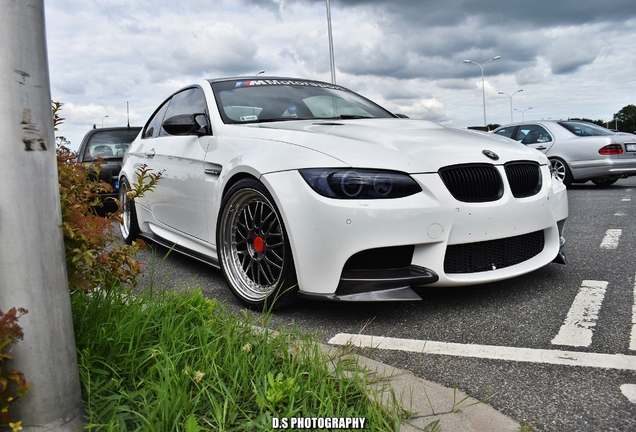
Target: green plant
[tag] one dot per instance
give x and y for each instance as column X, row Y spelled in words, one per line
column 95, row 256
column 466, row 402
column 178, row 361
column 279, row 391
column 12, row 382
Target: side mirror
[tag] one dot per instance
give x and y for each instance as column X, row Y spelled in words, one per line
column 186, row 124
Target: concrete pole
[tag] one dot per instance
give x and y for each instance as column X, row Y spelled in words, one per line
column 32, row 264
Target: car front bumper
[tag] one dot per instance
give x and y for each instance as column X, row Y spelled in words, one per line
column 381, row 249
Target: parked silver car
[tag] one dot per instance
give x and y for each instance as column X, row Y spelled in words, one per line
column 578, row 151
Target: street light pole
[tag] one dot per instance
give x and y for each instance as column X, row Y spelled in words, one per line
column 483, row 89
column 103, row 121
column 523, row 117
column 510, row 96
column 331, row 56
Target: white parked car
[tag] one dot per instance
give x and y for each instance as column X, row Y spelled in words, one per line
column 299, row 187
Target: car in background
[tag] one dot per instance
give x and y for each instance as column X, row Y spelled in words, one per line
column 296, row 187
column 578, row 151
column 109, row 144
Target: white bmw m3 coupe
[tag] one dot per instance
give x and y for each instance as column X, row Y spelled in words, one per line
column 295, row 187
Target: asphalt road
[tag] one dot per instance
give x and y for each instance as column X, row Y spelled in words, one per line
column 589, row 303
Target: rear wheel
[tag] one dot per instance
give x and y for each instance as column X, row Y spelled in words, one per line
column 128, row 226
column 562, row 171
column 604, row 182
column 253, row 248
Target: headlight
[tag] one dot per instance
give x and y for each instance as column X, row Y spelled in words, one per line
column 360, row 183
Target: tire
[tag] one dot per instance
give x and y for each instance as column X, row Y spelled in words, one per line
column 253, row 248
column 604, row 182
column 129, row 226
column 562, row 171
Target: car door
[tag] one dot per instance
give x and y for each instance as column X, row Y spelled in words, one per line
column 535, row 136
column 178, row 201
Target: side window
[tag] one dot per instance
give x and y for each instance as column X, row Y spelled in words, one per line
column 153, row 127
column 532, row 134
column 507, row 132
column 544, row 135
column 88, row 155
column 189, row 101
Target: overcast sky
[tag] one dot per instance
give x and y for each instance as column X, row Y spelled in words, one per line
column 572, row 58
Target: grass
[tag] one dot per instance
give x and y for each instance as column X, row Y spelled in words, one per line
column 529, row 427
column 181, row 362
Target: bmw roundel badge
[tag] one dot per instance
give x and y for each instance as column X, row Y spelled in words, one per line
column 491, row 154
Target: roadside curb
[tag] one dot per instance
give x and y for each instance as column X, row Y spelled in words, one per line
column 429, row 402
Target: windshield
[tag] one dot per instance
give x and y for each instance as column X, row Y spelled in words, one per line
column 277, row 100
column 585, row 129
column 109, row 143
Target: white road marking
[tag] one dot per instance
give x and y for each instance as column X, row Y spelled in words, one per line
column 619, row 214
column 578, row 327
column 610, row 241
column 632, row 343
column 629, row 391
column 626, row 199
column 529, row 355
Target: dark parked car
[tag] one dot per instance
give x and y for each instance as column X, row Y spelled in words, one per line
column 110, row 145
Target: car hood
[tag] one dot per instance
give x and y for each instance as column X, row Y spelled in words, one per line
column 414, row 146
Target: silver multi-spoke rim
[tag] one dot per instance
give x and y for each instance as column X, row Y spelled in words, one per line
column 559, row 169
column 252, row 245
column 125, row 214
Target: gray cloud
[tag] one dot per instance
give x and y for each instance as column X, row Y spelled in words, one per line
column 570, row 52
column 534, row 14
column 407, row 55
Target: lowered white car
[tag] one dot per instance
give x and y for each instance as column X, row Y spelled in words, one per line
column 302, row 188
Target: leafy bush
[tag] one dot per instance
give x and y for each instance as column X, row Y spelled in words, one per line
column 12, row 382
column 95, row 255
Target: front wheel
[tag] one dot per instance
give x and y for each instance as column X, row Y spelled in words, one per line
column 562, row 171
column 253, row 248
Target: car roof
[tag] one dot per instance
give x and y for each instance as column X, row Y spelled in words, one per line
column 281, row 81
column 116, row 128
column 529, row 122
column 94, row 131
column 263, row 78
column 526, row 122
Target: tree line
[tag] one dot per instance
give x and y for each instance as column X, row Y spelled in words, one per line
column 622, row 121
